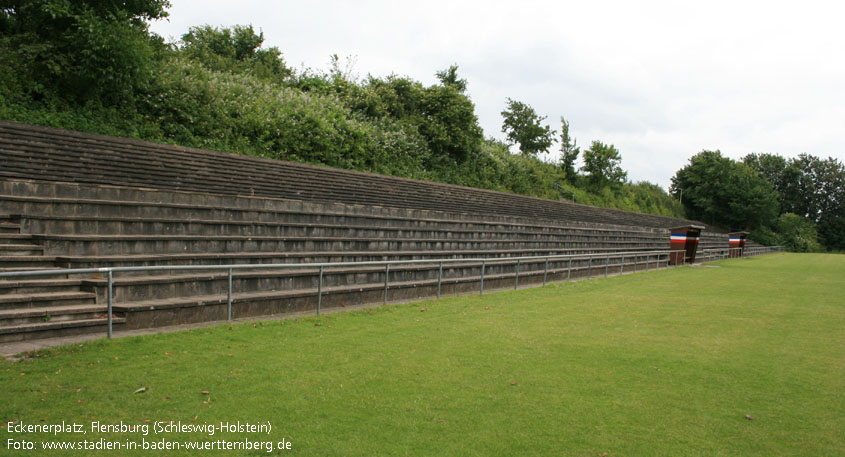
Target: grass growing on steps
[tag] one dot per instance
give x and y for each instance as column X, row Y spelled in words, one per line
column 664, row 363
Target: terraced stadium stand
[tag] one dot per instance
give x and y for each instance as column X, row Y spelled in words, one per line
column 70, row 199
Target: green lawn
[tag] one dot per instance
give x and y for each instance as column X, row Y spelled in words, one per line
column 665, row 363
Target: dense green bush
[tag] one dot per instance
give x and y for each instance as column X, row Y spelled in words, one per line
column 796, row 233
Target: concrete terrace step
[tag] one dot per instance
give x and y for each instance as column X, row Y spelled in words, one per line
column 9, row 228
column 12, row 317
column 164, row 244
column 21, row 249
column 575, row 238
column 241, row 210
column 41, row 330
column 25, row 286
column 14, row 238
column 45, row 299
column 115, row 161
column 154, row 179
column 98, row 225
column 307, row 257
column 26, row 262
column 18, row 269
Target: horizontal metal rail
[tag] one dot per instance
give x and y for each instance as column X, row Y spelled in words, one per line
column 660, row 257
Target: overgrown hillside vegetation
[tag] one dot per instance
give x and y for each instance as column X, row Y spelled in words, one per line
column 95, row 67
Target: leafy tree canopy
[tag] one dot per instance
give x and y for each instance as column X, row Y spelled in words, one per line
column 569, row 151
column 602, row 164
column 234, row 49
column 720, row 191
column 81, row 49
column 449, row 77
column 523, row 126
column 442, row 114
column 809, row 187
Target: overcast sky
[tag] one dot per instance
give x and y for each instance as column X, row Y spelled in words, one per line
column 659, row 80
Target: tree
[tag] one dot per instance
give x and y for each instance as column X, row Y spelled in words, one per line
column 810, row 188
column 602, row 165
column 84, row 49
column 786, row 178
column 441, row 114
column 720, row 191
column 827, row 178
column 449, row 78
column 523, row 126
column 568, row 151
column 236, row 49
column 831, row 228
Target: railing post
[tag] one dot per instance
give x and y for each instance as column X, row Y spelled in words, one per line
column 320, row 290
column 569, row 270
column 110, row 294
column 546, row 271
column 516, row 279
column 590, row 268
column 636, row 259
column 622, row 265
column 483, row 266
column 229, row 297
column 386, row 277
column 439, row 279
column 606, row 264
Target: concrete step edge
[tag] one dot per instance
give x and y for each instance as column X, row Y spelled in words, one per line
column 46, row 296
column 466, row 217
column 53, row 311
column 42, row 326
column 259, row 254
column 162, row 220
column 6, row 283
column 30, row 247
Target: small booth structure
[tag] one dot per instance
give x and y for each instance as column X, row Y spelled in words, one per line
column 736, row 243
column 684, row 239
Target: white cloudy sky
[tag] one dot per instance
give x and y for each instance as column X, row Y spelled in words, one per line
column 661, row 80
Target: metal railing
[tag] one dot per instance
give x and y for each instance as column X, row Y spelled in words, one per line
column 652, row 259
column 726, row 253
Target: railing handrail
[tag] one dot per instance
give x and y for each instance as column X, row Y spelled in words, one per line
column 252, row 266
column 241, row 266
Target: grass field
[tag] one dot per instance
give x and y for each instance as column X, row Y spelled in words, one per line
column 747, row 359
